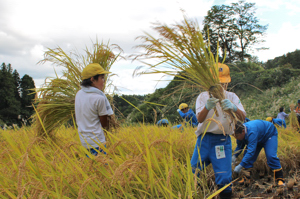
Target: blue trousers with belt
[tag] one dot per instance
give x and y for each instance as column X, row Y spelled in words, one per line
column 270, row 147
column 208, row 154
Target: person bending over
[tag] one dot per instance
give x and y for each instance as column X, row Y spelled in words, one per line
column 257, row 134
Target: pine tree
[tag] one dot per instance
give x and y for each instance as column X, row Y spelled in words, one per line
column 27, row 96
column 10, row 106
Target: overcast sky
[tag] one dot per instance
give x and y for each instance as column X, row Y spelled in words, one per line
column 28, row 28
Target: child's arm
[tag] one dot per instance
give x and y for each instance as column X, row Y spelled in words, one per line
column 104, row 122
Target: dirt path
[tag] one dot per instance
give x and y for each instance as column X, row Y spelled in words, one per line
column 263, row 187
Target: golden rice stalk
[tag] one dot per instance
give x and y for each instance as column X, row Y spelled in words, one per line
column 293, row 118
column 56, row 98
column 181, row 51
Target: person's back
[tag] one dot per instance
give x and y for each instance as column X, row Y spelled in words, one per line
column 87, row 113
column 163, row 122
column 282, row 115
column 92, row 108
column 260, row 130
column 258, row 134
column 277, row 122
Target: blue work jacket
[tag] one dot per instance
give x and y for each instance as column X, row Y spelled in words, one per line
column 279, row 122
column 257, row 132
column 189, row 117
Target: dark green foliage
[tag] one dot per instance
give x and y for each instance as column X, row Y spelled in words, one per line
column 247, row 77
column 123, row 108
column 236, row 29
column 11, row 107
column 27, row 87
column 164, row 102
column 218, row 27
column 290, row 60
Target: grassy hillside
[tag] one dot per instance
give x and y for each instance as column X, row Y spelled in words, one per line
column 262, row 92
column 262, row 104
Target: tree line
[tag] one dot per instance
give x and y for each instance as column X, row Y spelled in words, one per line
column 16, row 97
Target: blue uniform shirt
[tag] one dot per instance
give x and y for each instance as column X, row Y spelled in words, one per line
column 279, row 122
column 189, row 117
column 257, row 132
column 162, row 121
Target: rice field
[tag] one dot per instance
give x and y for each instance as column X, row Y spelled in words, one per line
column 143, row 161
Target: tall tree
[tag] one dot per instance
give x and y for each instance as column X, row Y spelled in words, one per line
column 16, row 81
column 10, row 106
column 27, row 87
column 219, row 27
column 247, row 28
column 236, row 29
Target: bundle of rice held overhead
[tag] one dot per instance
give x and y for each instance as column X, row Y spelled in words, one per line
column 56, row 98
column 181, row 51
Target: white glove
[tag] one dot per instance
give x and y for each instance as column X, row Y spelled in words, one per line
column 211, row 103
column 178, row 110
column 238, row 169
column 227, row 104
column 233, row 160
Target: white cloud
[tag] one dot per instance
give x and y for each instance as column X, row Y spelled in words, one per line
column 28, row 27
column 281, row 42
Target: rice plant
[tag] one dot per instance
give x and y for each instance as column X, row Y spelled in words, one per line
column 142, row 161
column 57, row 96
column 181, row 51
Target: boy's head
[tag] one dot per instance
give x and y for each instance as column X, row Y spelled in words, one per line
column 298, row 102
column 184, row 107
column 281, row 109
column 92, row 70
column 239, row 131
column 92, row 74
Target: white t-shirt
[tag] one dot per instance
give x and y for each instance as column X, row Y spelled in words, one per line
column 224, row 119
column 88, row 108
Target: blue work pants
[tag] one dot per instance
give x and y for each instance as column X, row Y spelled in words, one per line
column 270, row 147
column 207, row 149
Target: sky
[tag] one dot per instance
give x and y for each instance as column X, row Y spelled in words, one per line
column 28, row 28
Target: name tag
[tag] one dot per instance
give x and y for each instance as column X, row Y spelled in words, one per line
column 220, row 151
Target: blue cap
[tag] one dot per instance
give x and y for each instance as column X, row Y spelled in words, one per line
column 298, row 101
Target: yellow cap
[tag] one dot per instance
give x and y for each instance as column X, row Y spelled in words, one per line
column 183, row 105
column 269, row 119
column 224, row 73
column 91, row 70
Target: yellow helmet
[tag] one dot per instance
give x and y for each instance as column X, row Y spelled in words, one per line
column 224, row 73
column 269, row 119
column 183, row 105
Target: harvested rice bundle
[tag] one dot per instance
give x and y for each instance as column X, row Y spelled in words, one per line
column 293, row 118
column 181, row 51
column 56, row 98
